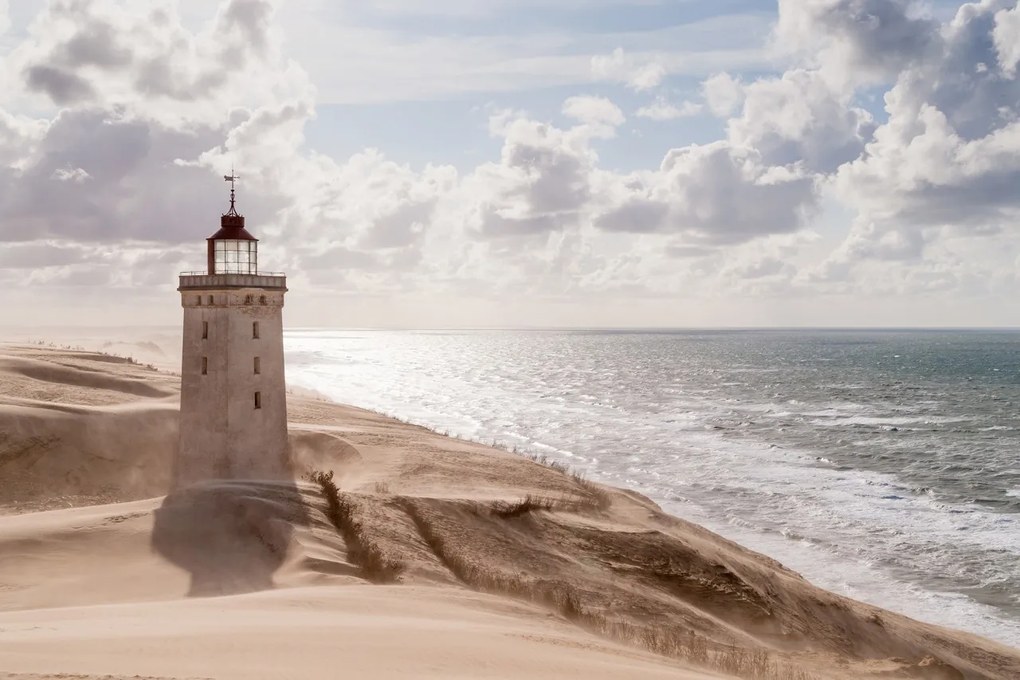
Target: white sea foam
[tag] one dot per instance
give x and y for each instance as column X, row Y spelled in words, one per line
column 886, row 421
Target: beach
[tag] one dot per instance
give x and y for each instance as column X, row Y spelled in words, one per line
column 436, row 557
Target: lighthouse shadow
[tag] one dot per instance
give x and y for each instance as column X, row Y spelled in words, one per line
column 231, row 536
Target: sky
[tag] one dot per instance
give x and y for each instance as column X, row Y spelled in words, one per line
column 518, row 163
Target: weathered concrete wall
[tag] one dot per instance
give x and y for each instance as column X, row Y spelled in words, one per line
column 223, row 435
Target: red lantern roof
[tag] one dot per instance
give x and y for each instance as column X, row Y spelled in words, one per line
column 232, row 229
column 232, row 223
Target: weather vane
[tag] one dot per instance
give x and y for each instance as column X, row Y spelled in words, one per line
column 232, row 178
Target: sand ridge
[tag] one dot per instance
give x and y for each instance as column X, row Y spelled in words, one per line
column 94, row 539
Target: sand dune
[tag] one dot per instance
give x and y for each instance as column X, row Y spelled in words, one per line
column 253, row 579
column 322, row 632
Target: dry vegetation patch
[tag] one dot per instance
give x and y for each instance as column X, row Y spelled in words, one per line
column 524, row 506
column 362, row 550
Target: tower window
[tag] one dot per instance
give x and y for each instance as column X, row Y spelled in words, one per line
column 210, row 299
column 205, row 365
column 258, row 366
column 198, row 300
column 255, row 329
column 205, row 330
column 258, row 400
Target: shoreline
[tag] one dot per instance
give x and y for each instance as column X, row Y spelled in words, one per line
column 870, row 585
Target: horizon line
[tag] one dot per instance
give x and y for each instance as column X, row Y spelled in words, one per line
column 38, row 328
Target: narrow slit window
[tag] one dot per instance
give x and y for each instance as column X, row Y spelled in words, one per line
column 210, row 299
column 205, row 365
column 205, row 330
column 258, row 400
column 255, row 329
column 258, row 366
column 198, row 300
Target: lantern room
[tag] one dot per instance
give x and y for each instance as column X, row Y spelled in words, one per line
column 232, row 250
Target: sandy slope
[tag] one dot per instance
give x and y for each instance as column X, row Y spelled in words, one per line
column 86, row 596
column 231, row 579
column 322, row 632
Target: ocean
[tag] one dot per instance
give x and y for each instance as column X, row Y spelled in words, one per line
column 883, row 465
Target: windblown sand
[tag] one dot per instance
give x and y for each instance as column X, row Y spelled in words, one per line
column 435, row 570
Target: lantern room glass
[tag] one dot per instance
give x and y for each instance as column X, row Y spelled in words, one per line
column 236, row 257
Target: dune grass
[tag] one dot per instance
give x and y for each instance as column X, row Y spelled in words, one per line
column 362, row 551
column 531, row 503
column 597, row 496
column 524, row 506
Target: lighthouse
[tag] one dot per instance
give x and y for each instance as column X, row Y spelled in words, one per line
column 233, row 392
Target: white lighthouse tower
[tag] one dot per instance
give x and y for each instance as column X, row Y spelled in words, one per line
column 233, row 392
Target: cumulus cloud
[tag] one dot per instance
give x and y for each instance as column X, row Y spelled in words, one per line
column 541, row 183
column 662, row 109
column 715, row 193
column 1006, row 36
column 723, row 94
column 76, row 175
column 944, row 161
column 948, row 155
column 42, row 254
column 857, row 40
column 799, row 118
column 125, row 164
column 133, row 189
column 594, row 111
column 923, row 172
column 638, row 72
column 368, row 213
column 140, row 56
column 18, row 137
column 62, row 86
column 760, row 268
